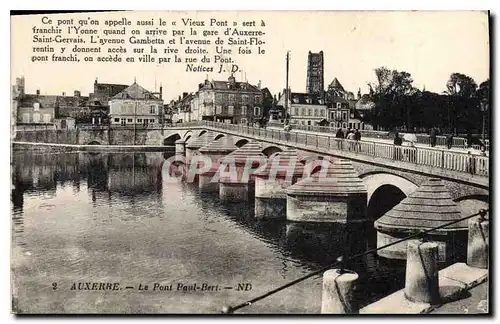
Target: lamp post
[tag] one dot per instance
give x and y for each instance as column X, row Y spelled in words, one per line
column 484, row 110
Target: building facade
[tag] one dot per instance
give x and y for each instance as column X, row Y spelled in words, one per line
column 184, row 108
column 304, row 108
column 315, row 74
column 223, row 101
column 33, row 108
column 98, row 102
column 135, row 106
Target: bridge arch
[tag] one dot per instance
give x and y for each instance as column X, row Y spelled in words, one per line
column 385, row 190
column 241, row 142
column 187, row 135
column 471, row 204
column 219, row 136
column 274, row 155
column 270, row 150
column 94, row 143
column 170, row 141
column 203, row 131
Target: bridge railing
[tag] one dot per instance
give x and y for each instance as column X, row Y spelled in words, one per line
column 431, row 157
column 421, row 138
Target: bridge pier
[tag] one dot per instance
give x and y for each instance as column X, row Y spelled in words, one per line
column 193, row 147
column 237, row 181
column 282, row 171
column 180, row 149
column 234, row 192
column 334, row 194
column 214, row 152
column 429, row 206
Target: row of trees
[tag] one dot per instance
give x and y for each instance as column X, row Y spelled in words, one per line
column 398, row 104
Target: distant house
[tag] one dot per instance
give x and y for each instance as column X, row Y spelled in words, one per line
column 183, row 109
column 98, row 102
column 135, row 105
column 229, row 101
column 33, row 108
column 74, row 106
column 305, row 108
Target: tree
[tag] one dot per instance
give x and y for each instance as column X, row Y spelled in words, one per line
column 461, row 85
column 390, row 94
column 483, row 92
column 462, row 103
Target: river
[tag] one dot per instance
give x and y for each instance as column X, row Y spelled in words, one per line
column 92, row 218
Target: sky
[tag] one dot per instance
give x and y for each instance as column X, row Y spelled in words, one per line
column 429, row 45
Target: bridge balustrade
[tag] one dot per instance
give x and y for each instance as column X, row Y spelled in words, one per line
column 431, row 157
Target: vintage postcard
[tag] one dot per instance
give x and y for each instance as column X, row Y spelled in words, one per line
column 250, row 162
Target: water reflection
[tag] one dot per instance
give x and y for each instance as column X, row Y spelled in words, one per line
column 119, row 209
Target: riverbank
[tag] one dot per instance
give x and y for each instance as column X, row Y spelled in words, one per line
column 90, row 148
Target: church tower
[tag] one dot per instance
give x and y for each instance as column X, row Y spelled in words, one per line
column 315, row 77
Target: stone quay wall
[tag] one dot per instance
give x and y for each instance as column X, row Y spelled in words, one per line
column 102, row 136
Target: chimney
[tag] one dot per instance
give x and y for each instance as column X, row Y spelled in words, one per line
column 259, row 84
column 38, row 92
column 179, row 98
column 63, row 94
column 161, row 91
column 77, row 93
column 184, row 95
column 95, row 82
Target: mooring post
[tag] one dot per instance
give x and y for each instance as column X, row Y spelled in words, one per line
column 422, row 281
column 338, row 291
column 478, row 241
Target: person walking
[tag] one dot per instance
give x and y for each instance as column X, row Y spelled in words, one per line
column 287, row 128
column 350, row 138
column 339, row 138
column 357, row 138
column 432, row 137
column 397, row 146
column 339, row 134
column 471, row 163
column 469, row 139
column 449, row 140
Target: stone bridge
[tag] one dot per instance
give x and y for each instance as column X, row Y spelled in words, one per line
column 388, row 181
column 390, row 173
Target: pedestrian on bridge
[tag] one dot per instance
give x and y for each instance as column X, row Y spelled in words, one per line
column 340, row 137
column 397, row 147
column 433, row 137
column 357, row 138
column 449, row 140
column 287, row 128
column 350, row 138
column 469, row 139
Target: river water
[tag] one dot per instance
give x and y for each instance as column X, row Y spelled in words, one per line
column 86, row 218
